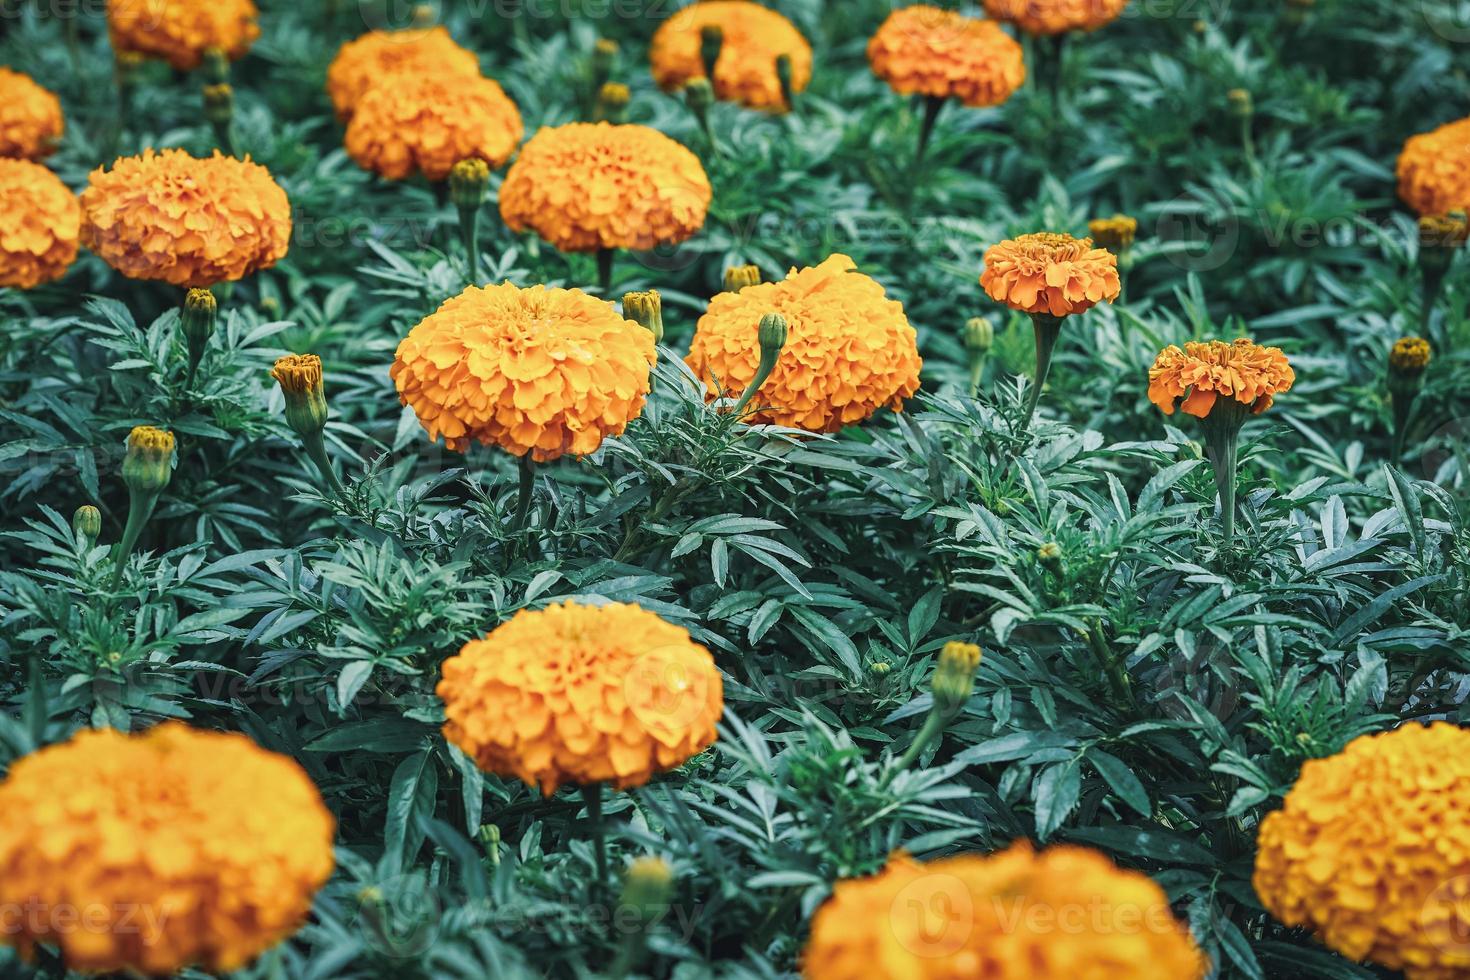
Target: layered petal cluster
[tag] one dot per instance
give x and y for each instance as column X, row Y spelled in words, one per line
column 1049, row 273
column 40, row 221
column 539, row 370
column 1065, row 913
column 926, row 50
column 1056, row 16
column 148, row 853
column 428, row 123
column 752, row 37
column 849, row 349
column 362, row 63
column 575, row 694
column 181, row 31
column 31, row 123
column 590, row 186
column 184, row 220
column 1434, row 170
column 1371, row 851
column 1201, row 373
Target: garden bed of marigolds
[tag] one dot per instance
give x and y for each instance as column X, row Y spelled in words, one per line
column 850, row 491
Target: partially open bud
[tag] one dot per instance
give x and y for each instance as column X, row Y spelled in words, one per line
column 489, row 836
column 954, row 678
column 1241, row 104
column 772, row 334
column 468, row 182
column 1050, row 557
column 647, row 310
column 711, row 39
column 219, row 103
column 197, row 322
column 647, row 887
column 612, row 102
column 737, row 277
column 148, row 465
column 979, row 335
column 300, row 378
column 1406, row 364
column 1116, row 234
column 86, row 524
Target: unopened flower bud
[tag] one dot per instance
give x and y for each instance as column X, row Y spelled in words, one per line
column 711, row 39
column 489, row 836
column 772, row 333
column 1115, row 234
column 646, row 309
column 86, row 524
column 468, row 182
column 647, row 887
column 880, row 668
column 737, row 277
column 699, row 94
column 424, row 15
column 979, row 335
column 148, row 465
column 954, row 678
column 1241, row 104
column 219, row 103
column 612, row 102
column 1406, row 364
column 197, row 323
column 300, row 378
column 1050, row 556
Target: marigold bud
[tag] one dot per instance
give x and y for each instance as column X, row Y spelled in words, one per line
column 1448, row 232
column 1406, row 364
column 604, row 52
column 772, row 334
column 300, row 378
column 979, row 335
column 737, row 277
column 468, row 182
column 612, row 102
column 423, row 15
column 954, row 678
column 1115, row 234
column 1050, row 556
column 880, row 668
column 86, row 524
column 148, row 464
column 197, row 323
column 646, row 310
column 699, row 94
column 647, row 887
column 219, row 103
column 1242, row 106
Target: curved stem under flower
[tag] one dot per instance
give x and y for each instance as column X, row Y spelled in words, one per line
column 1048, row 330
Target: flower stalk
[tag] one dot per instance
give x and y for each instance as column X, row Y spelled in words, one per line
column 699, row 96
column 1222, row 444
column 772, row 337
column 197, row 323
column 592, row 796
column 1407, row 363
column 300, row 378
column 1048, row 330
column 468, row 182
column 219, row 110
column 646, row 891
column 933, row 106
column 146, row 470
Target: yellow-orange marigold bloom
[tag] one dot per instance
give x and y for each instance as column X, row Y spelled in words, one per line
column 589, row 186
column 31, row 122
column 752, row 37
column 428, row 123
column 540, row 370
column 1065, row 913
column 184, row 220
column 1056, row 16
column 172, row 848
column 582, row 694
column 1048, row 273
column 1201, row 373
column 363, row 63
column 926, row 50
column 39, row 224
column 1434, row 170
column 1115, row 233
column 1371, row 851
column 1410, row 355
column 849, row 349
column 181, row 31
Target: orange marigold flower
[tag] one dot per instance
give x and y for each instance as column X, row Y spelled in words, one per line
column 849, row 349
column 1053, row 274
column 181, row 31
column 582, row 695
column 362, row 63
column 1060, row 914
column 39, row 224
column 428, row 123
column 1434, row 170
column 1371, row 851
column 925, row 50
column 186, row 221
column 1410, row 355
column 1200, row 373
column 589, row 186
column 1056, row 16
column 31, row 122
column 540, row 370
column 752, row 37
column 177, row 847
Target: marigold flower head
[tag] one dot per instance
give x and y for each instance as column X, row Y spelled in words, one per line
column 184, row 220
column 369, row 60
column 590, row 186
column 1202, row 373
column 179, row 846
column 540, row 370
column 148, row 464
column 1434, row 170
column 1060, row 914
column 31, row 122
column 40, row 221
column 181, row 31
column 752, row 37
column 926, row 50
column 1048, row 273
column 582, row 695
column 1371, row 851
column 1114, row 234
column 428, row 123
column 1410, row 356
column 849, row 349
column 1056, row 16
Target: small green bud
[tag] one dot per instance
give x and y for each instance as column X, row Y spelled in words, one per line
column 148, row 465
column 468, row 182
column 772, row 333
column 219, row 103
column 954, row 678
column 979, row 335
column 1050, row 557
column 300, row 378
column 1241, row 104
column 880, row 668
column 699, row 95
column 711, row 40
column 646, row 310
column 86, row 524
column 647, row 887
column 612, row 102
column 737, row 277
column 424, row 16
column 197, row 323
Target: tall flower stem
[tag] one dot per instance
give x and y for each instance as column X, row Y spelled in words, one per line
column 527, row 468
column 1048, row 330
column 933, row 105
column 771, row 335
column 1222, row 443
column 604, row 269
column 316, row 450
column 469, row 233
column 140, row 509
column 1052, row 62
column 592, row 795
column 933, row 725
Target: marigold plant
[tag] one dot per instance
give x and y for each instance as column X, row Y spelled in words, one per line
column 363, row 63
column 849, row 349
column 181, row 31
column 926, row 50
column 1060, row 914
column 539, row 370
column 31, row 123
column 590, row 186
column 752, row 37
column 582, row 695
column 428, row 123
column 1050, row 273
column 187, row 221
column 1434, row 170
column 1194, row 378
column 40, row 221
column 1371, row 851
column 1056, row 16
column 182, row 847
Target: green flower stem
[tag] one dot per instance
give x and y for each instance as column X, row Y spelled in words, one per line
column 1403, row 410
column 1048, row 329
column 1112, row 665
column 1052, row 67
column 469, row 232
column 1248, row 142
column 933, row 105
column 977, row 373
column 592, row 796
column 1432, row 290
column 933, row 725
column 762, row 372
column 316, row 450
column 604, row 269
column 1222, row 443
column 527, row 467
column 140, row 509
column 222, row 137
